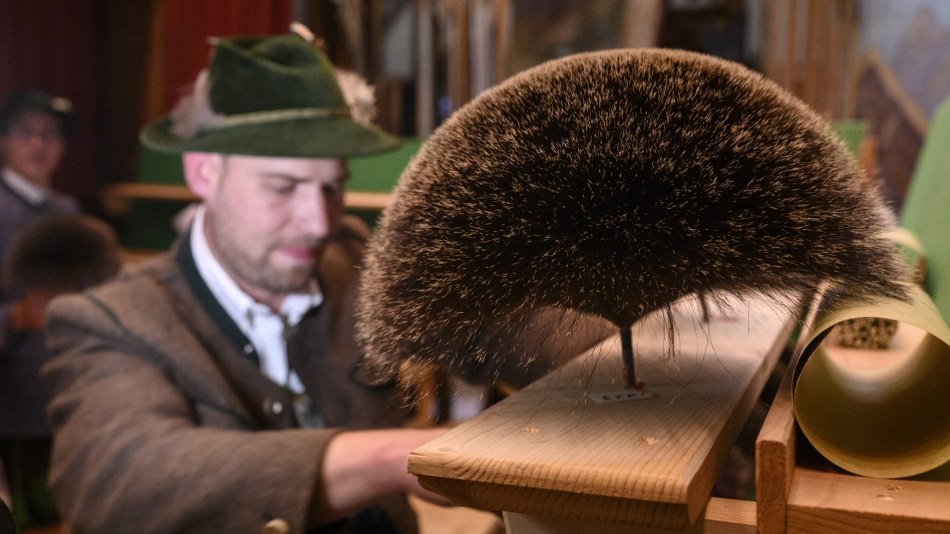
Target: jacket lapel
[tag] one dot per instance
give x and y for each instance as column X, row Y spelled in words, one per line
column 268, row 403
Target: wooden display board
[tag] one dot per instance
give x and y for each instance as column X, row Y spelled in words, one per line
column 565, row 452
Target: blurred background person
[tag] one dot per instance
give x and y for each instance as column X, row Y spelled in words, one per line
column 33, row 130
column 62, row 253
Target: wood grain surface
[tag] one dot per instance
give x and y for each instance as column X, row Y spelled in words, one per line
column 552, row 451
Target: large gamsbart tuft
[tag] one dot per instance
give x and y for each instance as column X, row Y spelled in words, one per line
column 611, row 184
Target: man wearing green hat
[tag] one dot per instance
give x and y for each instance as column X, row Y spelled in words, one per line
column 218, row 388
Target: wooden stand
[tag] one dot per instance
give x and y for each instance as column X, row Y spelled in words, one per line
column 798, row 491
column 572, row 451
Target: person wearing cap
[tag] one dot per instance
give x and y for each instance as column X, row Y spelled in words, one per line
column 219, row 387
column 33, row 128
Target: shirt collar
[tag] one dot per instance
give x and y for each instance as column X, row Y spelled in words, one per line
column 237, row 303
column 24, row 187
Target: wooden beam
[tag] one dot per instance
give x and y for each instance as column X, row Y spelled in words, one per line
column 722, row 516
column 117, row 198
column 835, row 503
column 775, row 461
column 502, row 22
column 425, row 69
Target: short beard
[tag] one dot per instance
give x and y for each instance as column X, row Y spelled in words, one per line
column 258, row 272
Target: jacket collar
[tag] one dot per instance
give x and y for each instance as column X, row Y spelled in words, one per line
column 186, row 261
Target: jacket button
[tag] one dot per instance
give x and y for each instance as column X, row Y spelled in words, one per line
column 273, row 406
column 276, row 526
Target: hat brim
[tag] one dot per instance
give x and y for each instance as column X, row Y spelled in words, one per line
column 299, row 138
column 57, row 107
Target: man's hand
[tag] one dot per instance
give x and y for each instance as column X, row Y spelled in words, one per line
column 362, row 467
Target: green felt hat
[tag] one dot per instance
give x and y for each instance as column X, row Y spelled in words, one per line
column 267, row 96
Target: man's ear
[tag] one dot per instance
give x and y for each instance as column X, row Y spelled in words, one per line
column 202, row 172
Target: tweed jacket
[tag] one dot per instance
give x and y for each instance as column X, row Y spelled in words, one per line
column 163, row 422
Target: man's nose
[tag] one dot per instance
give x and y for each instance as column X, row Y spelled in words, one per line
column 313, row 212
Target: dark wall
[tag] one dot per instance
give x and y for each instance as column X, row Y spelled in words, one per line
column 54, row 46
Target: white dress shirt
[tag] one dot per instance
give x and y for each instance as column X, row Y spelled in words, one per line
column 24, row 187
column 262, row 326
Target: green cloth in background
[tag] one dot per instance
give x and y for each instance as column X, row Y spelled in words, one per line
column 380, row 172
column 926, row 210
column 159, row 167
column 851, row 132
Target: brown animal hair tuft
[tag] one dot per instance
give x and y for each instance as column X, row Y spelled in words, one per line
column 612, row 184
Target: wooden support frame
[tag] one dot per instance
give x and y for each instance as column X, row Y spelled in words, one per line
column 798, row 491
column 551, row 460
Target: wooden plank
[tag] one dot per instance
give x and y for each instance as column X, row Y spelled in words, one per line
column 889, row 83
column 551, row 450
column 722, row 516
column 838, row 503
column 848, row 62
column 455, row 20
column 896, row 122
column 502, row 22
column 480, row 36
column 149, row 191
column 360, row 200
column 791, row 49
column 775, row 452
column 425, row 69
column 118, row 196
column 435, row 519
column 832, row 69
column 775, row 460
column 640, row 23
column 811, row 78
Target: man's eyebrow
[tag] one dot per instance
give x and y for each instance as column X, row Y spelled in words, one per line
column 285, row 176
column 342, row 177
